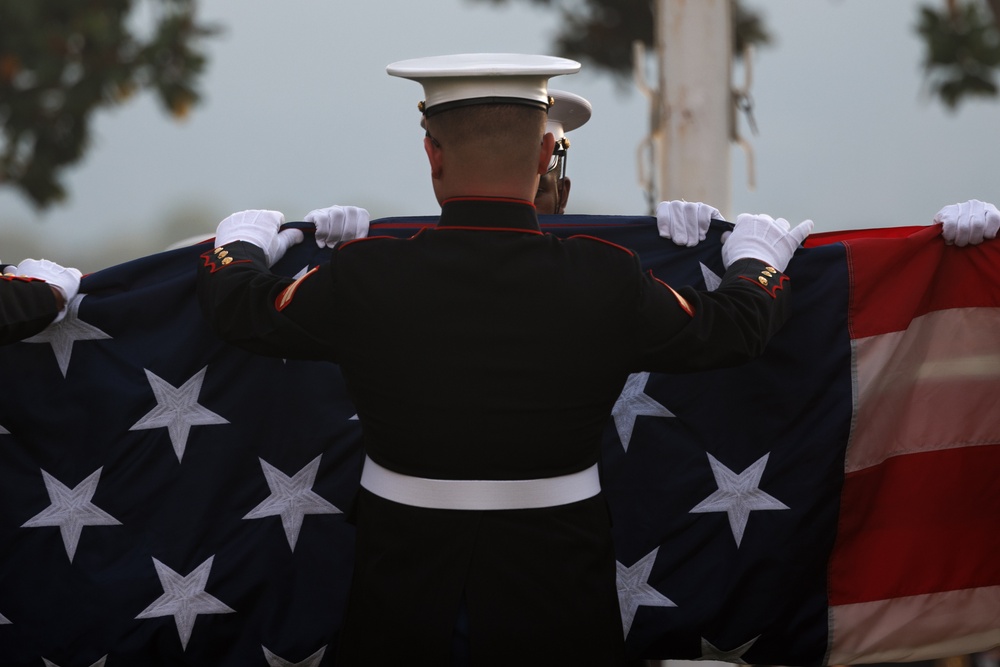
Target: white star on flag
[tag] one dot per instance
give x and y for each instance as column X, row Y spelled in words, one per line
column 4, row 620
column 276, row 661
column 99, row 663
column 632, row 403
column 67, row 331
column 734, row 656
column 738, row 495
column 711, row 278
column 291, row 498
column 4, row 431
column 177, row 408
column 634, row 589
column 71, row 510
column 184, row 598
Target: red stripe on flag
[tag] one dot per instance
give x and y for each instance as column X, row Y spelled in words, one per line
column 895, row 280
column 917, row 524
column 825, row 238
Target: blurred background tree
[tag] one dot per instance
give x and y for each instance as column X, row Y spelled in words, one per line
column 962, row 54
column 962, row 39
column 62, row 60
column 600, row 33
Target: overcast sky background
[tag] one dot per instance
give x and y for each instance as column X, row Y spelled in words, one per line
column 299, row 113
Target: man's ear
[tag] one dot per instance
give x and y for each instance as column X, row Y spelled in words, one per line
column 562, row 189
column 434, row 157
column 545, row 154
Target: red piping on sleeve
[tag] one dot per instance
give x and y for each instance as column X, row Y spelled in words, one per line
column 771, row 287
column 214, row 263
column 681, row 301
column 285, row 297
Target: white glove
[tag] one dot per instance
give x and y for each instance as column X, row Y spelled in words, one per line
column 338, row 223
column 66, row 280
column 260, row 228
column 764, row 238
column 686, row 223
column 968, row 223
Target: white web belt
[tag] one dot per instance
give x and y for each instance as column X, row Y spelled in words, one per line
column 480, row 494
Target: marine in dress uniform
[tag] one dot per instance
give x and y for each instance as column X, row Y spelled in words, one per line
column 480, row 488
column 569, row 111
column 33, row 295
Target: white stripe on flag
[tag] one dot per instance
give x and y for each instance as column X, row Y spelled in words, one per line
column 918, row 627
column 934, row 386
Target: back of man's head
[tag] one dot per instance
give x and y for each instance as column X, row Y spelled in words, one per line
column 488, row 143
column 492, row 134
column 479, row 141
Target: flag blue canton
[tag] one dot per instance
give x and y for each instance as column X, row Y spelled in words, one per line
column 734, row 480
column 226, row 475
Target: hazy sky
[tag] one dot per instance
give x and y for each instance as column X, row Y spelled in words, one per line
column 299, row 113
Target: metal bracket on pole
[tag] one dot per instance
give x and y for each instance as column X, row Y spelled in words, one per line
column 742, row 101
column 645, row 153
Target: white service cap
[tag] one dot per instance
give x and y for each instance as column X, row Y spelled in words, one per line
column 483, row 78
column 569, row 111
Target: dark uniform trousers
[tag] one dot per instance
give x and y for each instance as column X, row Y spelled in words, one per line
column 483, row 349
column 511, row 567
column 27, row 306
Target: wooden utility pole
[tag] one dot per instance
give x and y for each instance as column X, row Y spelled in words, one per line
column 693, row 112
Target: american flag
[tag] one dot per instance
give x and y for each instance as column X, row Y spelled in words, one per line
column 167, row 499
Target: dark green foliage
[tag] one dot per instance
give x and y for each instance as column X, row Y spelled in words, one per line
column 962, row 51
column 62, row 60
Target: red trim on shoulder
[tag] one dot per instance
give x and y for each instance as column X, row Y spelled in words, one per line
column 489, row 229
column 285, row 297
column 684, row 303
column 771, row 287
column 604, row 241
column 365, row 238
column 214, row 263
column 509, row 200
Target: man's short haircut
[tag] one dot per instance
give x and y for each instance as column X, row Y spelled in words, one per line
column 501, row 131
